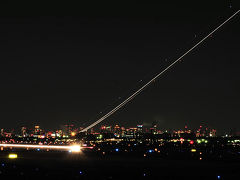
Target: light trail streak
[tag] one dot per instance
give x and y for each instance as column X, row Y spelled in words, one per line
column 73, row 148
column 157, row 76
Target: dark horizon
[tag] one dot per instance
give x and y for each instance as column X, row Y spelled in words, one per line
column 71, row 69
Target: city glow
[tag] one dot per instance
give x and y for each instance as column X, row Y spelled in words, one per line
column 12, row 156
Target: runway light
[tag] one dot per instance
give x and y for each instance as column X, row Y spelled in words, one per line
column 12, row 156
column 75, row 148
column 117, row 150
column 191, row 142
column 218, row 177
column 193, row 150
column 38, row 147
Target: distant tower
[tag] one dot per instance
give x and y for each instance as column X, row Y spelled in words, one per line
column 117, row 130
column 24, row 131
column 2, row 132
column 154, row 127
column 140, row 128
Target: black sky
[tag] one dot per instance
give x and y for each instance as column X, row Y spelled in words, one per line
column 63, row 69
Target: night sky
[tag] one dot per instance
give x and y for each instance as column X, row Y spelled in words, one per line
column 71, row 69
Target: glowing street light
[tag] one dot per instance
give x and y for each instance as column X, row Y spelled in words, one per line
column 193, row 150
column 12, row 156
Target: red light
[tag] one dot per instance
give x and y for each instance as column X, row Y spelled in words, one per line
column 191, row 142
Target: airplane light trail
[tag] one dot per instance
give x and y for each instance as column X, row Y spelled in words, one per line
column 157, row 76
column 73, row 148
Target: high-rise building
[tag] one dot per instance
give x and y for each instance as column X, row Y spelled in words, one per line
column 24, row 132
column 59, row 133
column 117, row 130
column 140, row 128
column 2, row 132
column 37, row 130
column 68, row 128
column 153, row 129
column 213, row 133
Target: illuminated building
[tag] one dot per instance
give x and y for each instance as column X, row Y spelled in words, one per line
column 2, row 132
column 109, row 128
column 123, row 131
column 105, row 129
column 24, row 132
column 37, row 130
column 213, row 133
column 139, row 132
column 153, row 129
column 117, row 130
column 68, row 128
column 140, row 128
column 131, row 133
column 49, row 134
column 59, row 133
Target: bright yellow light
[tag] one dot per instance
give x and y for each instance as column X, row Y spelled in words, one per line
column 73, row 133
column 12, row 156
column 193, row 150
column 75, row 148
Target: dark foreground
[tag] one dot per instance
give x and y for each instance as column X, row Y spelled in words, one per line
column 65, row 165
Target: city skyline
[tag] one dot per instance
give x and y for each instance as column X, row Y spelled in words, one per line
column 68, row 129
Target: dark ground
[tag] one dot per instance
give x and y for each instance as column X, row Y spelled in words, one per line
column 64, row 165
